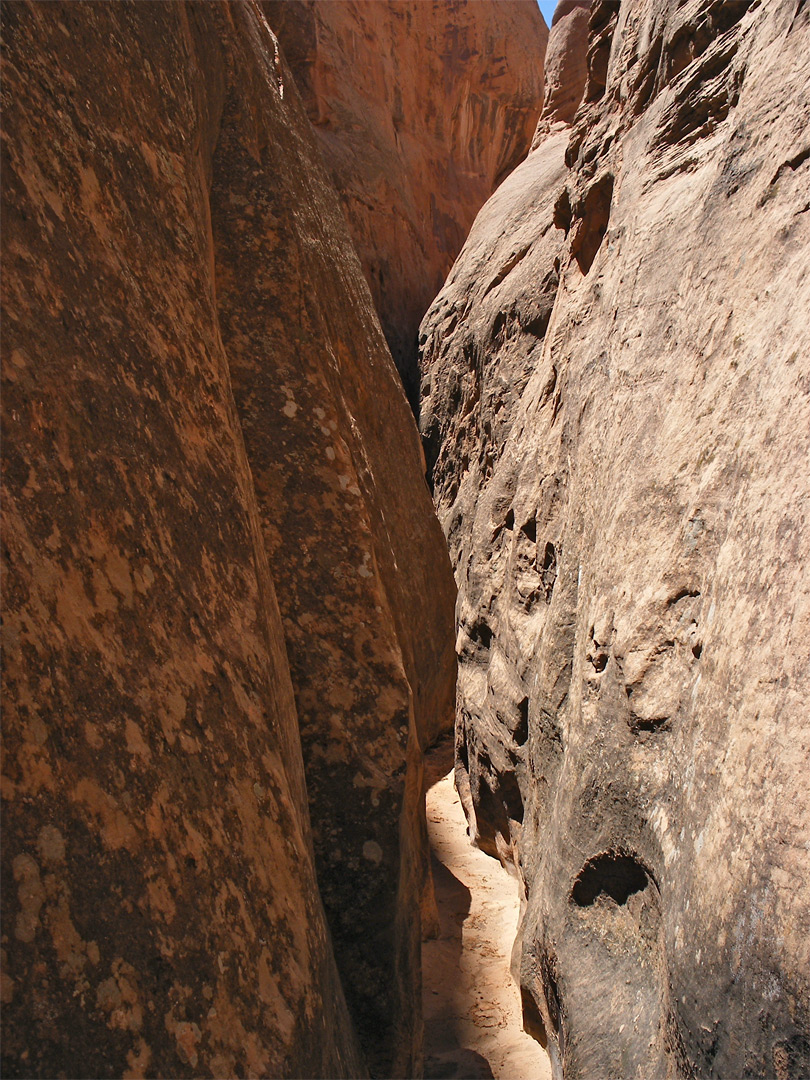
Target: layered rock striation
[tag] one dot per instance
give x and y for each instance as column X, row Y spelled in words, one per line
column 420, row 109
column 617, row 422
column 219, row 550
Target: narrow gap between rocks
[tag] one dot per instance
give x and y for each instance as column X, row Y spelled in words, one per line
column 472, row 1009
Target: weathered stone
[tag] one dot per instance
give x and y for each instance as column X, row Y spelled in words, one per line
column 565, row 68
column 622, row 485
column 160, row 245
column 421, row 108
column 360, row 566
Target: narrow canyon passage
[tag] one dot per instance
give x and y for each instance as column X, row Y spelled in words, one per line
column 471, row 1003
column 243, row 588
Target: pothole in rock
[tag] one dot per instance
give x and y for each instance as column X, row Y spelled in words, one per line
column 472, row 1009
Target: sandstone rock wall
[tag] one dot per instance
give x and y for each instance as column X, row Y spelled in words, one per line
column 565, row 67
column 616, row 411
column 421, row 107
column 218, row 548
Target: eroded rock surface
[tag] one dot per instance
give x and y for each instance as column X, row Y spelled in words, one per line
column 218, row 547
column 617, row 416
column 565, row 67
column 420, row 107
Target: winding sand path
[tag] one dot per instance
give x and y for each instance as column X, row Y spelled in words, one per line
column 471, row 1004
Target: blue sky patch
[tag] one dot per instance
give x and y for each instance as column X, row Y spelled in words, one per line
column 547, row 7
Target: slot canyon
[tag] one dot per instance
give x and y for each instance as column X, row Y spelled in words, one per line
column 405, row 533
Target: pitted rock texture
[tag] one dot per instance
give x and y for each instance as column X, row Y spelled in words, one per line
column 178, row 288
column 421, row 108
column 617, row 410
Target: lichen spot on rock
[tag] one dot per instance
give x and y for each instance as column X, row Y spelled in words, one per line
column 372, row 851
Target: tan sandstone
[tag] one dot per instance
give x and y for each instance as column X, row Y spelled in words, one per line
column 565, row 67
column 616, row 410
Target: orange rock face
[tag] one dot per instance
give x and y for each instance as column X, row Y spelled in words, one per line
column 218, row 545
column 421, row 108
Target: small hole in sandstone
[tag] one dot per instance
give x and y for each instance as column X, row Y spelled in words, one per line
column 529, row 530
column 562, row 211
column 532, row 1020
column 595, row 215
column 650, row 723
column 481, row 634
column 548, row 570
column 617, row 876
column 522, row 729
column 600, row 661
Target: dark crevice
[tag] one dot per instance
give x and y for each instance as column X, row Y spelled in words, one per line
column 507, row 268
column 552, row 993
column 481, row 634
column 683, row 594
column 463, row 749
column 654, row 723
column 521, row 733
column 562, row 211
column 590, row 229
column 548, row 570
column 793, row 164
column 532, row 1020
column 529, row 530
column 611, row 874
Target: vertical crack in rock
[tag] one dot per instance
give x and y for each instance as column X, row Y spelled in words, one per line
column 420, row 110
column 364, row 591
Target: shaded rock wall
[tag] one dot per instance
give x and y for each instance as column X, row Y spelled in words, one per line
column 616, row 410
column 420, row 108
column 213, row 557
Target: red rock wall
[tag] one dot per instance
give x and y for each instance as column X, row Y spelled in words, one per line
column 212, row 554
column 616, row 409
column 420, row 108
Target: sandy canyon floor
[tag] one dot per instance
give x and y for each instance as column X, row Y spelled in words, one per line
column 471, row 1003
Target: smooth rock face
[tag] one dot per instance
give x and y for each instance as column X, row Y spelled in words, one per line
column 178, row 289
column 421, row 108
column 620, row 466
column 565, row 66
